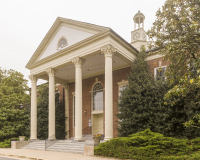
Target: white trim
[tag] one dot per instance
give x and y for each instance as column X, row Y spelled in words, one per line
column 121, row 84
column 92, row 95
column 59, row 42
column 97, row 112
column 158, row 68
column 154, row 56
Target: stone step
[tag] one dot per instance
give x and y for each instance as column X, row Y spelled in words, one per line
column 70, row 146
column 67, row 151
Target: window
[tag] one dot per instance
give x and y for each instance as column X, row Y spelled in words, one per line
column 97, row 96
column 121, row 86
column 62, row 43
column 57, row 93
column 159, row 73
column 193, row 68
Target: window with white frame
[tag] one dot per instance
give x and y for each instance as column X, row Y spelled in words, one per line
column 57, row 93
column 62, row 43
column 159, row 73
column 97, row 96
column 193, row 68
column 122, row 86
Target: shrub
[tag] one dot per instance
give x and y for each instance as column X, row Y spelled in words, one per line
column 5, row 144
column 147, row 145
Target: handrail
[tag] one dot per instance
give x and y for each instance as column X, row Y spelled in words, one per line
column 48, row 139
column 87, row 130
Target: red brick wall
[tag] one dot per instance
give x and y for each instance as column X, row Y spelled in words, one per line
column 87, row 84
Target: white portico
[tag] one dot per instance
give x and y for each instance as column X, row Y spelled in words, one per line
column 70, row 52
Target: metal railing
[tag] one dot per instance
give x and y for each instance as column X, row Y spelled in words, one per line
column 87, row 130
column 49, row 141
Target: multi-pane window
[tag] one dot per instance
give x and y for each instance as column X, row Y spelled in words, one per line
column 97, row 96
column 159, row 73
column 193, row 68
column 121, row 88
column 62, row 43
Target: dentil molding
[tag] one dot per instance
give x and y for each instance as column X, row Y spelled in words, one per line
column 33, row 78
column 108, row 50
column 78, row 61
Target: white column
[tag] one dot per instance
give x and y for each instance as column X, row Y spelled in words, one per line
column 143, row 24
column 108, row 51
column 66, row 86
column 51, row 73
column 78, row 97
column 139, row 23
column 33, row 106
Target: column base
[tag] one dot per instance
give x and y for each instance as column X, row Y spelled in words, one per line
column 78, row 138
column 52, row 138
column 33, row 138
column 107, row 139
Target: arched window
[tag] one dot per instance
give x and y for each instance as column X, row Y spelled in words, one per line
column 97, row 96
column 62, row 43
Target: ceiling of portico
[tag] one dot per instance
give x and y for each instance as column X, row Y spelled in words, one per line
column 93, row 65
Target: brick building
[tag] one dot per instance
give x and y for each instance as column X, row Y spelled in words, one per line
column 90, row 65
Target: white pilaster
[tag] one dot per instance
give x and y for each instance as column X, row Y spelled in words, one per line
column 78, row 97
column 51, row 73
column 66, row 86
column 108, row 51
column 33, row 106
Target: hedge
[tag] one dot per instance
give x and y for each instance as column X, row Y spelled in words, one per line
column 149, row 145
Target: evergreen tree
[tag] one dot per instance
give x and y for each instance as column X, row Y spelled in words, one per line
column 137, row 101
column 43, row 113
column 142, row 105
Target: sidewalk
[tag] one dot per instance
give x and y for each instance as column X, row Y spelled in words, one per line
column 47, row 155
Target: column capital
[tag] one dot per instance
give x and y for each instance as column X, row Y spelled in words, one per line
column 78, row 61
column 108, row 50
column 33, row 78
column 51, row 71
column 66, row 86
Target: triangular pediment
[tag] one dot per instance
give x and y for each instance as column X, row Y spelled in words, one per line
column 71, row 31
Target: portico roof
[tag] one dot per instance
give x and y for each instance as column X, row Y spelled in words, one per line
column 87, row 45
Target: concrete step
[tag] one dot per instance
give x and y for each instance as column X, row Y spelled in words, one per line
column 69, row 145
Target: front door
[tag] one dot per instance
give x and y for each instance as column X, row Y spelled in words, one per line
column 97, row 124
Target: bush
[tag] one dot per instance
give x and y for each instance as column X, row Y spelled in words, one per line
column 5, row 144
column 148, row 145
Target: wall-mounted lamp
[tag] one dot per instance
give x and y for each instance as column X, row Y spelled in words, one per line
column 85, row 111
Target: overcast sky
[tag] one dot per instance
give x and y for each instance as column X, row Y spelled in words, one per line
column 24, row 23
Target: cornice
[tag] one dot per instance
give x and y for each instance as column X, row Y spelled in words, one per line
column 108, row 32
column 101, row 72
column 69, row 49
column 52, row 30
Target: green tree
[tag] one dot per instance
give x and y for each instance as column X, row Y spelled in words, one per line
column 176, row 32
column 43, row 113
column 14, row 101
column 141, row 105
